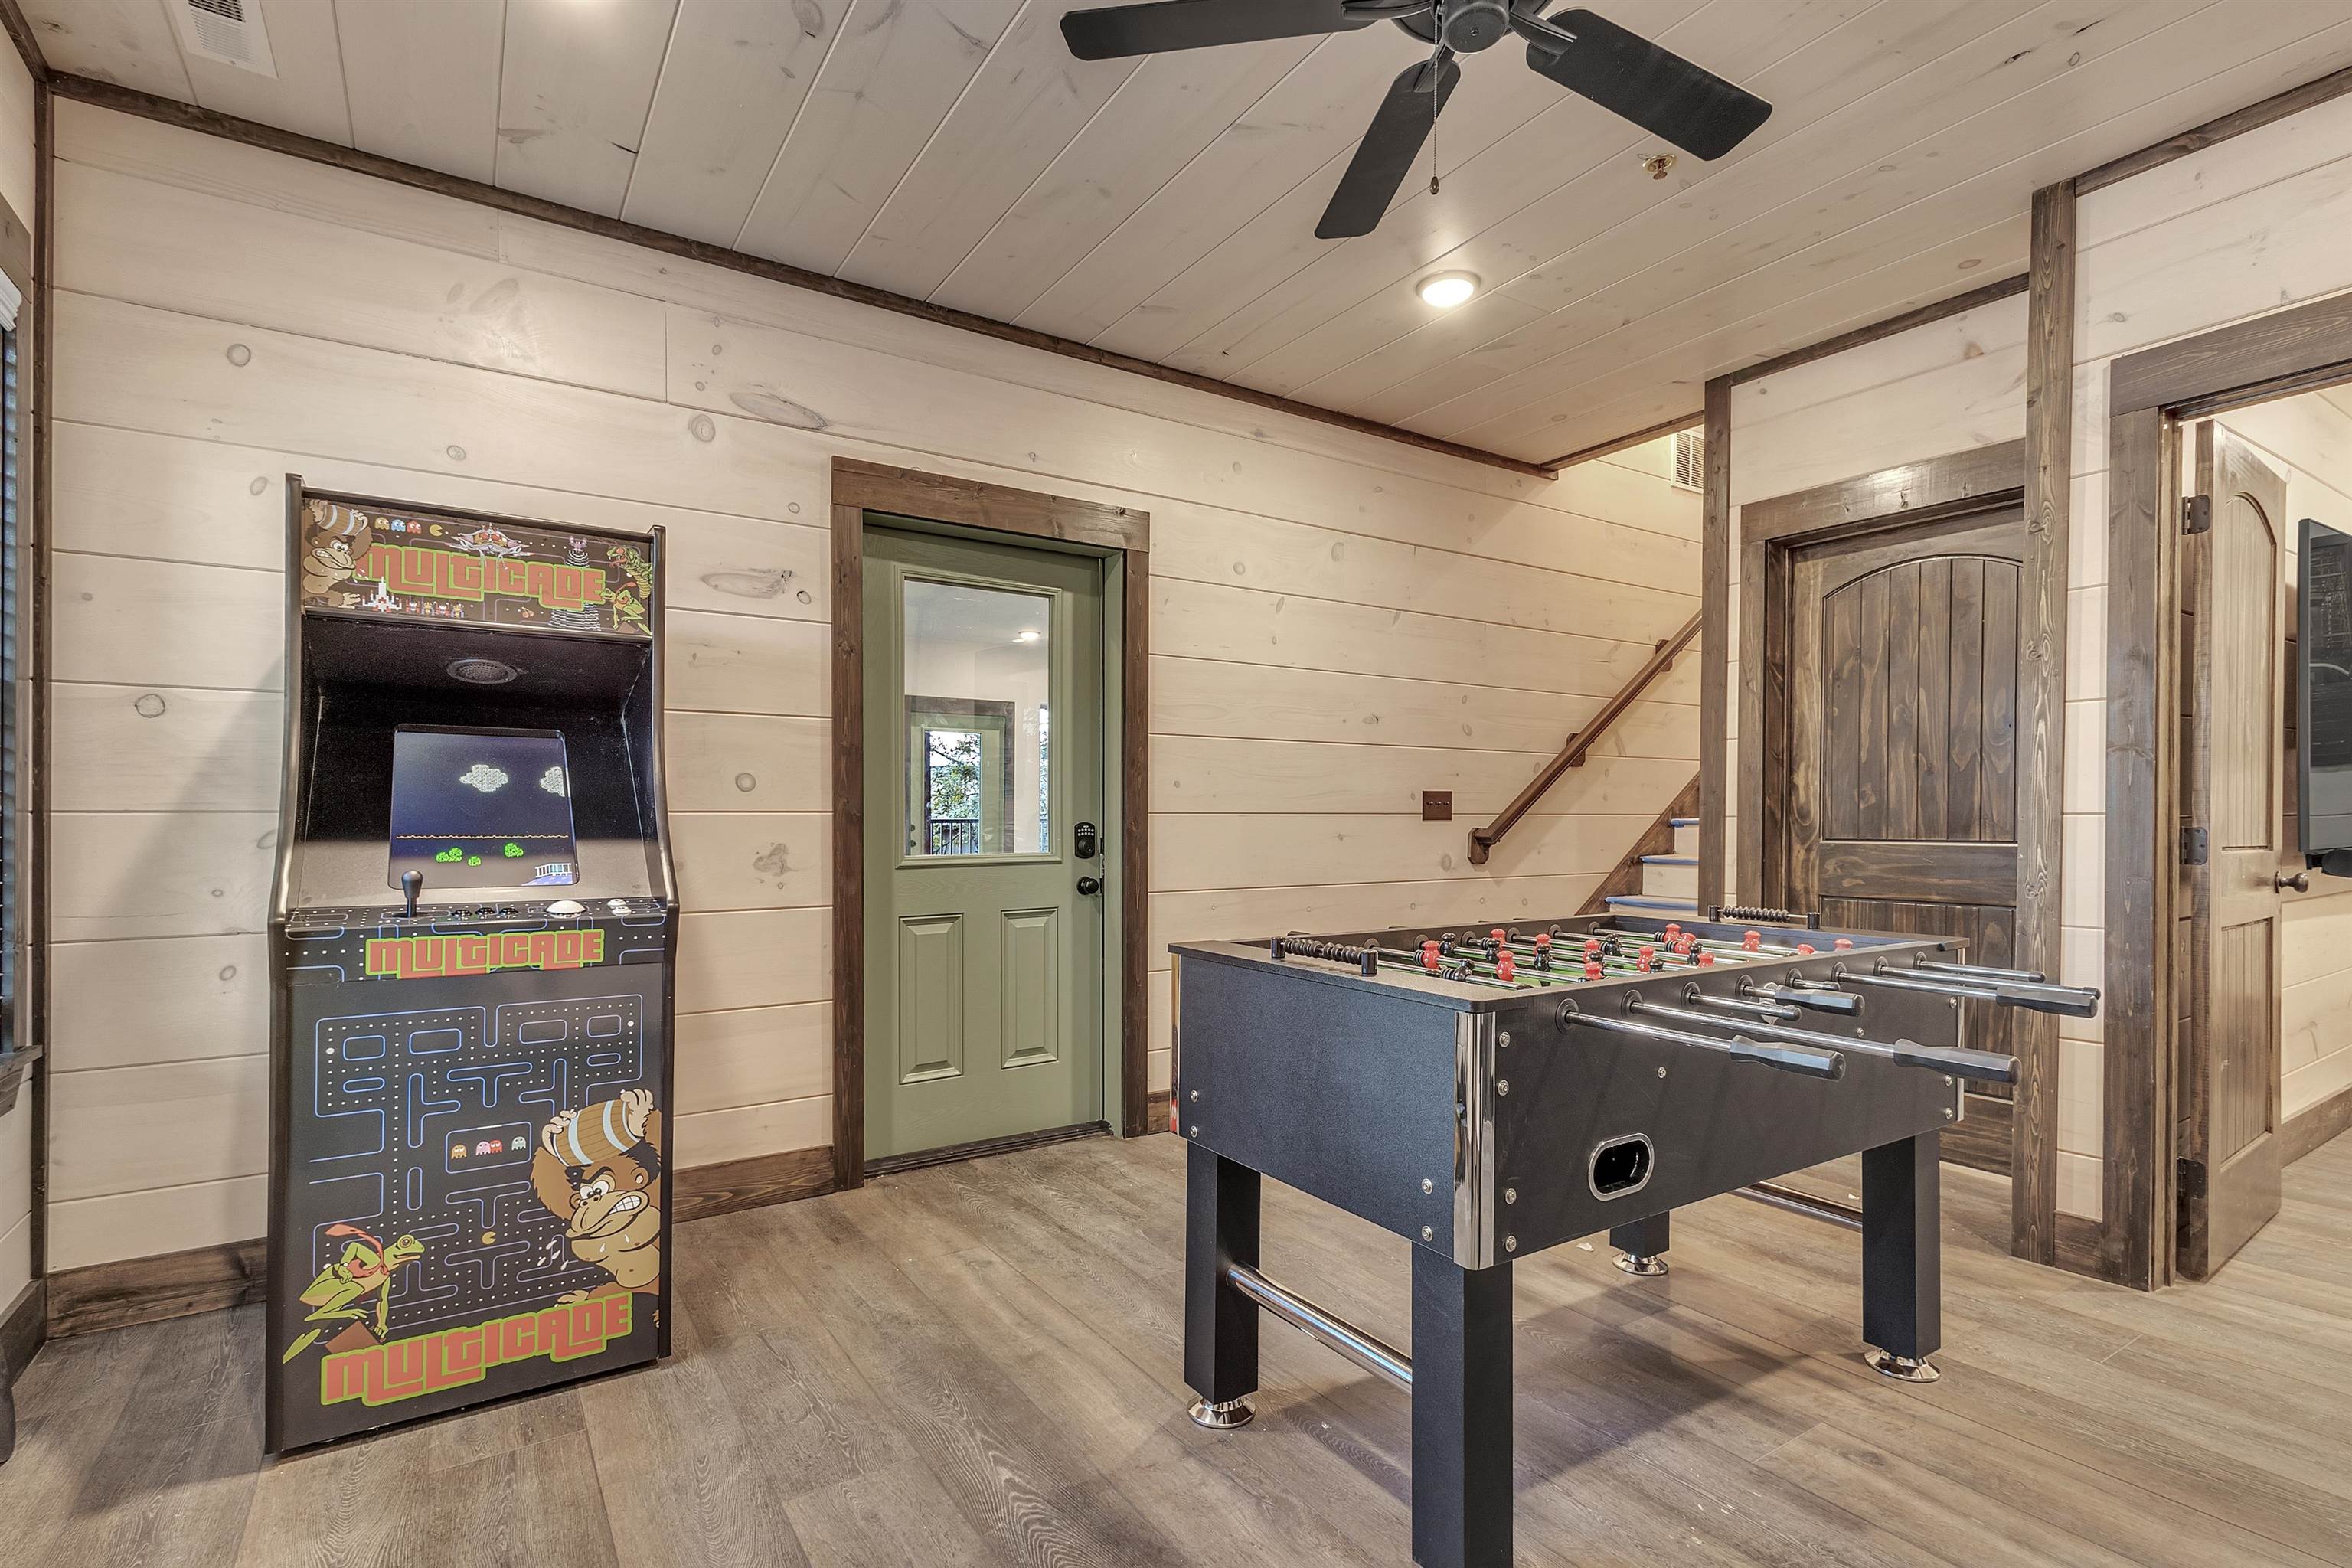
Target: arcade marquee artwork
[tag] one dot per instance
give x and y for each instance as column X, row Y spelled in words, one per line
column 473, row 960
column 410, row 562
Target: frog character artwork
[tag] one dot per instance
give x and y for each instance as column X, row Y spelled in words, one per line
column 355, row 1292
column 599, row 1170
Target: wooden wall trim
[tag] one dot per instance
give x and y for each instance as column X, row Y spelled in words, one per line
column 1715, row 643
column 187, row 116
column 848, row 661
column 2315, row 1125
column 704, row 1192
column 1957, row 483
column 2048, row 464
column 2264, row 357
column 33, row 662
column 2254, row 117
column 149, row 1290
column 2142, row 812
column 25, row 1330
column 1639, row 438
column 1919, row 316
column 859, row 488
column 29, row 44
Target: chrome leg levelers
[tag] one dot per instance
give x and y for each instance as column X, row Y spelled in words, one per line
column 1488, row 1097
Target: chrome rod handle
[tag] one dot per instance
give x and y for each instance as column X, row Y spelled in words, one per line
column 1986, row 1066
column 1811, row 1063
column 1777, row 1012
column 1818, row 996
column 1981, row 972
column 2075, row 1001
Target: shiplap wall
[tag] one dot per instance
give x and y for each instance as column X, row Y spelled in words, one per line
column 1338, row 622
column 1948, row 386
column 2307, row 439
column 16, row 165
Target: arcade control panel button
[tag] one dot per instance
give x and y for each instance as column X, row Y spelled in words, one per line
column 565, row 907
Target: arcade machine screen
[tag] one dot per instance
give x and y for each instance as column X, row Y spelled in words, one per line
column 481, row 808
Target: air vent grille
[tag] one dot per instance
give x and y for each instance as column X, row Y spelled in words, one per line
column 1690, row 459
column 229, row 31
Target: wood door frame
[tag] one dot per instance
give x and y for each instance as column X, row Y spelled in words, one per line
column 859, row 488
column 2149, row 394
column 1957, row 489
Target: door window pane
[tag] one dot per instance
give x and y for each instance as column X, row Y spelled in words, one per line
column 978, row 683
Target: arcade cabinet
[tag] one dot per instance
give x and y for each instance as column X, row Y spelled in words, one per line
column 474, row 930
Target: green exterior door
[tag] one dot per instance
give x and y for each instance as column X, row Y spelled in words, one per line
column 984, row 746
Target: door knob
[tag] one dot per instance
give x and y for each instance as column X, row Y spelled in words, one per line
column 2300, row 882
column 1090, row 886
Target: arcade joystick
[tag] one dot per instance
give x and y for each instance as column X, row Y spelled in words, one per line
column 412, row 886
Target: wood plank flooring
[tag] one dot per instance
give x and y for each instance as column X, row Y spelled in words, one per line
column 977, row 1367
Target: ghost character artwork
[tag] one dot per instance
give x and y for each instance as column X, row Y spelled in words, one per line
column 600, row 1170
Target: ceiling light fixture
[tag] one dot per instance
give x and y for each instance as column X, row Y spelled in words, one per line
column 1446, row 289
column 1027, row 636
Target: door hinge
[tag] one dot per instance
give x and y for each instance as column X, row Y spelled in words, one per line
column 2192, row 847
column 2192, row 1179
column 2196, row 514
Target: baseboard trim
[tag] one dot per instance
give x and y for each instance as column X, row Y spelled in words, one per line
column 25, row 1330
column 2079, row 1251
column 1157, row 1118
column 707, row 1191
column 2308, row 1129
column 210, row 1278
column 149, row 1289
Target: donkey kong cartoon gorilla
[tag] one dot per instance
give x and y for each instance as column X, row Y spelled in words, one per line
column 600, row 1169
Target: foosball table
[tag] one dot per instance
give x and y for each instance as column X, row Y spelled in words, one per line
column 1486, row 1094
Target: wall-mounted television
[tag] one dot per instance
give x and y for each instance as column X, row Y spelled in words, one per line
column 2323, row 698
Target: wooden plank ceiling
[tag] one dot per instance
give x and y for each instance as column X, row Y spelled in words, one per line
column 952, row 151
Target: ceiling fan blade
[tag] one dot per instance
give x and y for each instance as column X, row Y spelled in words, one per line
column 1116, row 32
column 1658, row 90
column 1385, row 155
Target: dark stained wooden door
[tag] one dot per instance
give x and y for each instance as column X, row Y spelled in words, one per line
column 2234, row 648
column 1902, row 743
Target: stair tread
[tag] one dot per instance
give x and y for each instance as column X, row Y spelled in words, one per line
column 1669, row 860
column 1682, row 822
column 1642, row 901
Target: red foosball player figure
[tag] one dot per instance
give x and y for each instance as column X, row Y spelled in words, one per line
column 1505, row 969
column 1705, row 959
column 1805, row 949
column 1752, row 940
column 1592, row 969
column 1843, row 944
column 1429, row 954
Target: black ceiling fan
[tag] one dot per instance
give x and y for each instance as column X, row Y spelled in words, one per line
column 1658, row 91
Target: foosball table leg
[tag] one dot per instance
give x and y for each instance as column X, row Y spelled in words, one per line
column 1901, row 1257
column 1642, row 1246
column 1461, row 1414
column 1221, row 1229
